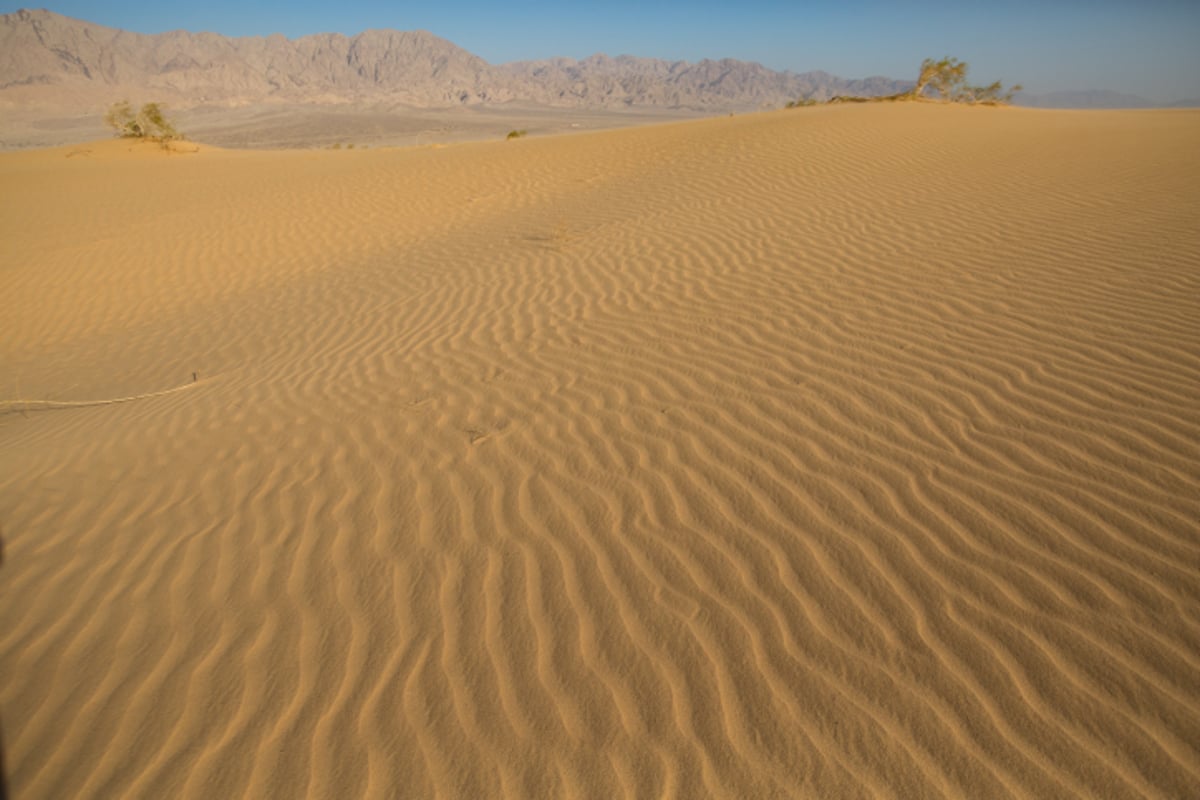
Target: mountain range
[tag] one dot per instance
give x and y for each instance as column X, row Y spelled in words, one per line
column 51, row 62
column 47, row 59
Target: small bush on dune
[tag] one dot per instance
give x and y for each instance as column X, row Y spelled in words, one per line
column 515, row 134
column 991, row 95
column 149, row 122
column 947, row 79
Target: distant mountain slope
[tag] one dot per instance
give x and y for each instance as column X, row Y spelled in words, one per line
column 51, row 60
column 54, row 62
column 626, row 80
column 49, row 51
column 1096, row 98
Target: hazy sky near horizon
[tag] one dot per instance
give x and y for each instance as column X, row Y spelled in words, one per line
column 1148, row 47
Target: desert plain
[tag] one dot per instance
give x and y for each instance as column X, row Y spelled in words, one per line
column 824, row 453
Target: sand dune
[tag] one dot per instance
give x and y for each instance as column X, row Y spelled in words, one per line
column 843, row 452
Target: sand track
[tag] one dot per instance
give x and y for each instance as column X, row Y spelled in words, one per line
column 830, row 453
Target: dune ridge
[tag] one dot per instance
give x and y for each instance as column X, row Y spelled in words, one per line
column 850, row 452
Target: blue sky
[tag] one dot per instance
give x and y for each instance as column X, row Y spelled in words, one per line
column 1148, row 48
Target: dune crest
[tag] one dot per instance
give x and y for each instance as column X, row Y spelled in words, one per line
column 843, row 452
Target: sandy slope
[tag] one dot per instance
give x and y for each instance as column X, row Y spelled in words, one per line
column 830, row 453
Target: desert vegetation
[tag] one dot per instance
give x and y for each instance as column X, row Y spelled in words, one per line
column 515, row 134
column 948, row 79
column 944, row 80
column 149, row 122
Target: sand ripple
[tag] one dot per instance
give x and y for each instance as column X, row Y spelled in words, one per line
column 833, row 453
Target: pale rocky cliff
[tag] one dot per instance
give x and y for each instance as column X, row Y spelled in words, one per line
column 50, row 60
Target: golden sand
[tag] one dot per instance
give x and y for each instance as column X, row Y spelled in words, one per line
column 840, row 452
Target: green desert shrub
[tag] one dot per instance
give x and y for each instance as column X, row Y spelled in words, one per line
column 948, row 78
column 516, row 134
column 148, row 122
column 944, row 80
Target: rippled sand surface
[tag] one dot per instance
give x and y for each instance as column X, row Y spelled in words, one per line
column 838, row 452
